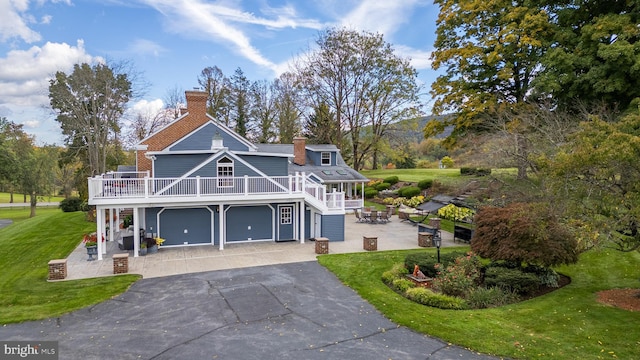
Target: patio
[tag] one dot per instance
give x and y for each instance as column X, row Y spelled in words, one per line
column 394, row 235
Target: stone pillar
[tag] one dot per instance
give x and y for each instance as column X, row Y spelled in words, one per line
column 322, row 245
column 425, row 239
column 435, row 222
column 121, row 263
column 370, row 243
column 58, row 269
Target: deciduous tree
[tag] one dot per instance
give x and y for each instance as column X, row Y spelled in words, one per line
column 89, row 104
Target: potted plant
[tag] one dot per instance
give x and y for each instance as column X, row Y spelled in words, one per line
column 143, row 248
column 153, row 244
column 90, row 242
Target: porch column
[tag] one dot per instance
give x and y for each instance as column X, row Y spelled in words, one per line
column 136, row 232
column 302, row 221
column 221, row 226
column 102, row 249
column 111, row 228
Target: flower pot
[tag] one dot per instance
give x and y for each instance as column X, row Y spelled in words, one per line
column 142, row 252
column 152, row 249
column 92, row 250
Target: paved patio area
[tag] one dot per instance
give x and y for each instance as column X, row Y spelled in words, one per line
column 395, row 235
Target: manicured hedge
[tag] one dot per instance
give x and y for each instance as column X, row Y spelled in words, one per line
column 409, row 191
column 71, row 204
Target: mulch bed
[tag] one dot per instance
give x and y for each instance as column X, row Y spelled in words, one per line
column 628, row 299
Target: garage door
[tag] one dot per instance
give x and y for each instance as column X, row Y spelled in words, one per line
column 249, row 223
column 185, row 226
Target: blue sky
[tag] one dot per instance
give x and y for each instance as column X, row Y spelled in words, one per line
column 169, row 42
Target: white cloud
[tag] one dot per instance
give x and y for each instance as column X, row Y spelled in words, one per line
column 420, row 59
column 146, row 107
column 224, row 23
column 14, row 21
column 32, row 124
column 146, row 47
column 384, row 17
column 24, row 74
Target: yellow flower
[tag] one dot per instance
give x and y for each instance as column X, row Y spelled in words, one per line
column 159, row 241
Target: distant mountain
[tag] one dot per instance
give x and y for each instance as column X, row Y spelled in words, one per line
column 411, row 130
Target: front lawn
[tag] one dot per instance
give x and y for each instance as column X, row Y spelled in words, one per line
column 26, row 247
column 566, row 324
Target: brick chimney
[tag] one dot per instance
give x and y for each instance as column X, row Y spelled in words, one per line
column 299, row 152
column 196, row 102
column 196, row 117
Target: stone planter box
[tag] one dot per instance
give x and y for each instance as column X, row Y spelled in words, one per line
column 370, row 243
column 425, row 239
column 322, row 246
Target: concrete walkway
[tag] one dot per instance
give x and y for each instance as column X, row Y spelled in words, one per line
column 394, row 235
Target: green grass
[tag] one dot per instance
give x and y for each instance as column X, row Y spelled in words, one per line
column 412, row 175
column 19, row 198
column 565, row 324
column 26, row 247
column 18, row 214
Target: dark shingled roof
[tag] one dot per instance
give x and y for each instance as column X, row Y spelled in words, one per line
column 341, row 172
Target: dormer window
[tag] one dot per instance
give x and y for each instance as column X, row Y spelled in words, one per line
column 225, row 172
column 325, row 158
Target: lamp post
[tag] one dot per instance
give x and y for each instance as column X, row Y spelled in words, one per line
column 437, row 241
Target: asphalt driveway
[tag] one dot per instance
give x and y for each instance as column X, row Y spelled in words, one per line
column 289, row 311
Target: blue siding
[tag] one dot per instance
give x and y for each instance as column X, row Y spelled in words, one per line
column 201, row 140
column 211, row 169
column 244, row 222
column 151, row 220
column 270, row 165
column 177, row 165
column 333, row 227
column 316, row 157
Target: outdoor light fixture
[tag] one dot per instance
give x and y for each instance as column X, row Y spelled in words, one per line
column 437, row 241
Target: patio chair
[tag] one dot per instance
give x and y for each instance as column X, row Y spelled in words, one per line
column 374, row 216
column 358, row 217
column 384, row 217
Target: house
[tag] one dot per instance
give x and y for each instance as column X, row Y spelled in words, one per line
column 197, row 182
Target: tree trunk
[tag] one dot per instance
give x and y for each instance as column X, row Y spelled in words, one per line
column 374, row 160
column 11, row 196
column 33, row 200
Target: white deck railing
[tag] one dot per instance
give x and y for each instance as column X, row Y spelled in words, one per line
column 112, row 186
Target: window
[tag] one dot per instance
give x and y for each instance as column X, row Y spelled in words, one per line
column 325, row 158
column 286, row 215
column 225, row 172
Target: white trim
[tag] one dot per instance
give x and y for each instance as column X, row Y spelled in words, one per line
column 222, row 128
column 212, row 220
column 274, row 220
column 322, row 153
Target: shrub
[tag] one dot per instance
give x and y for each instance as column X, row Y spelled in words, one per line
column 391, row 180
column 459, row 278
column 409, row 191
column 383, row 186
column 469, row 171
column 546, row 276
column 455, row 213
column 427, row 261
column 370, row 193
column 523, row 233
column 511, row 279
column 402, row 285
column 482, row 298
column 447, row 162
column 414, row 201
column 427, row 297
column 425, row 184
column 71, row 204
column 397, row 271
